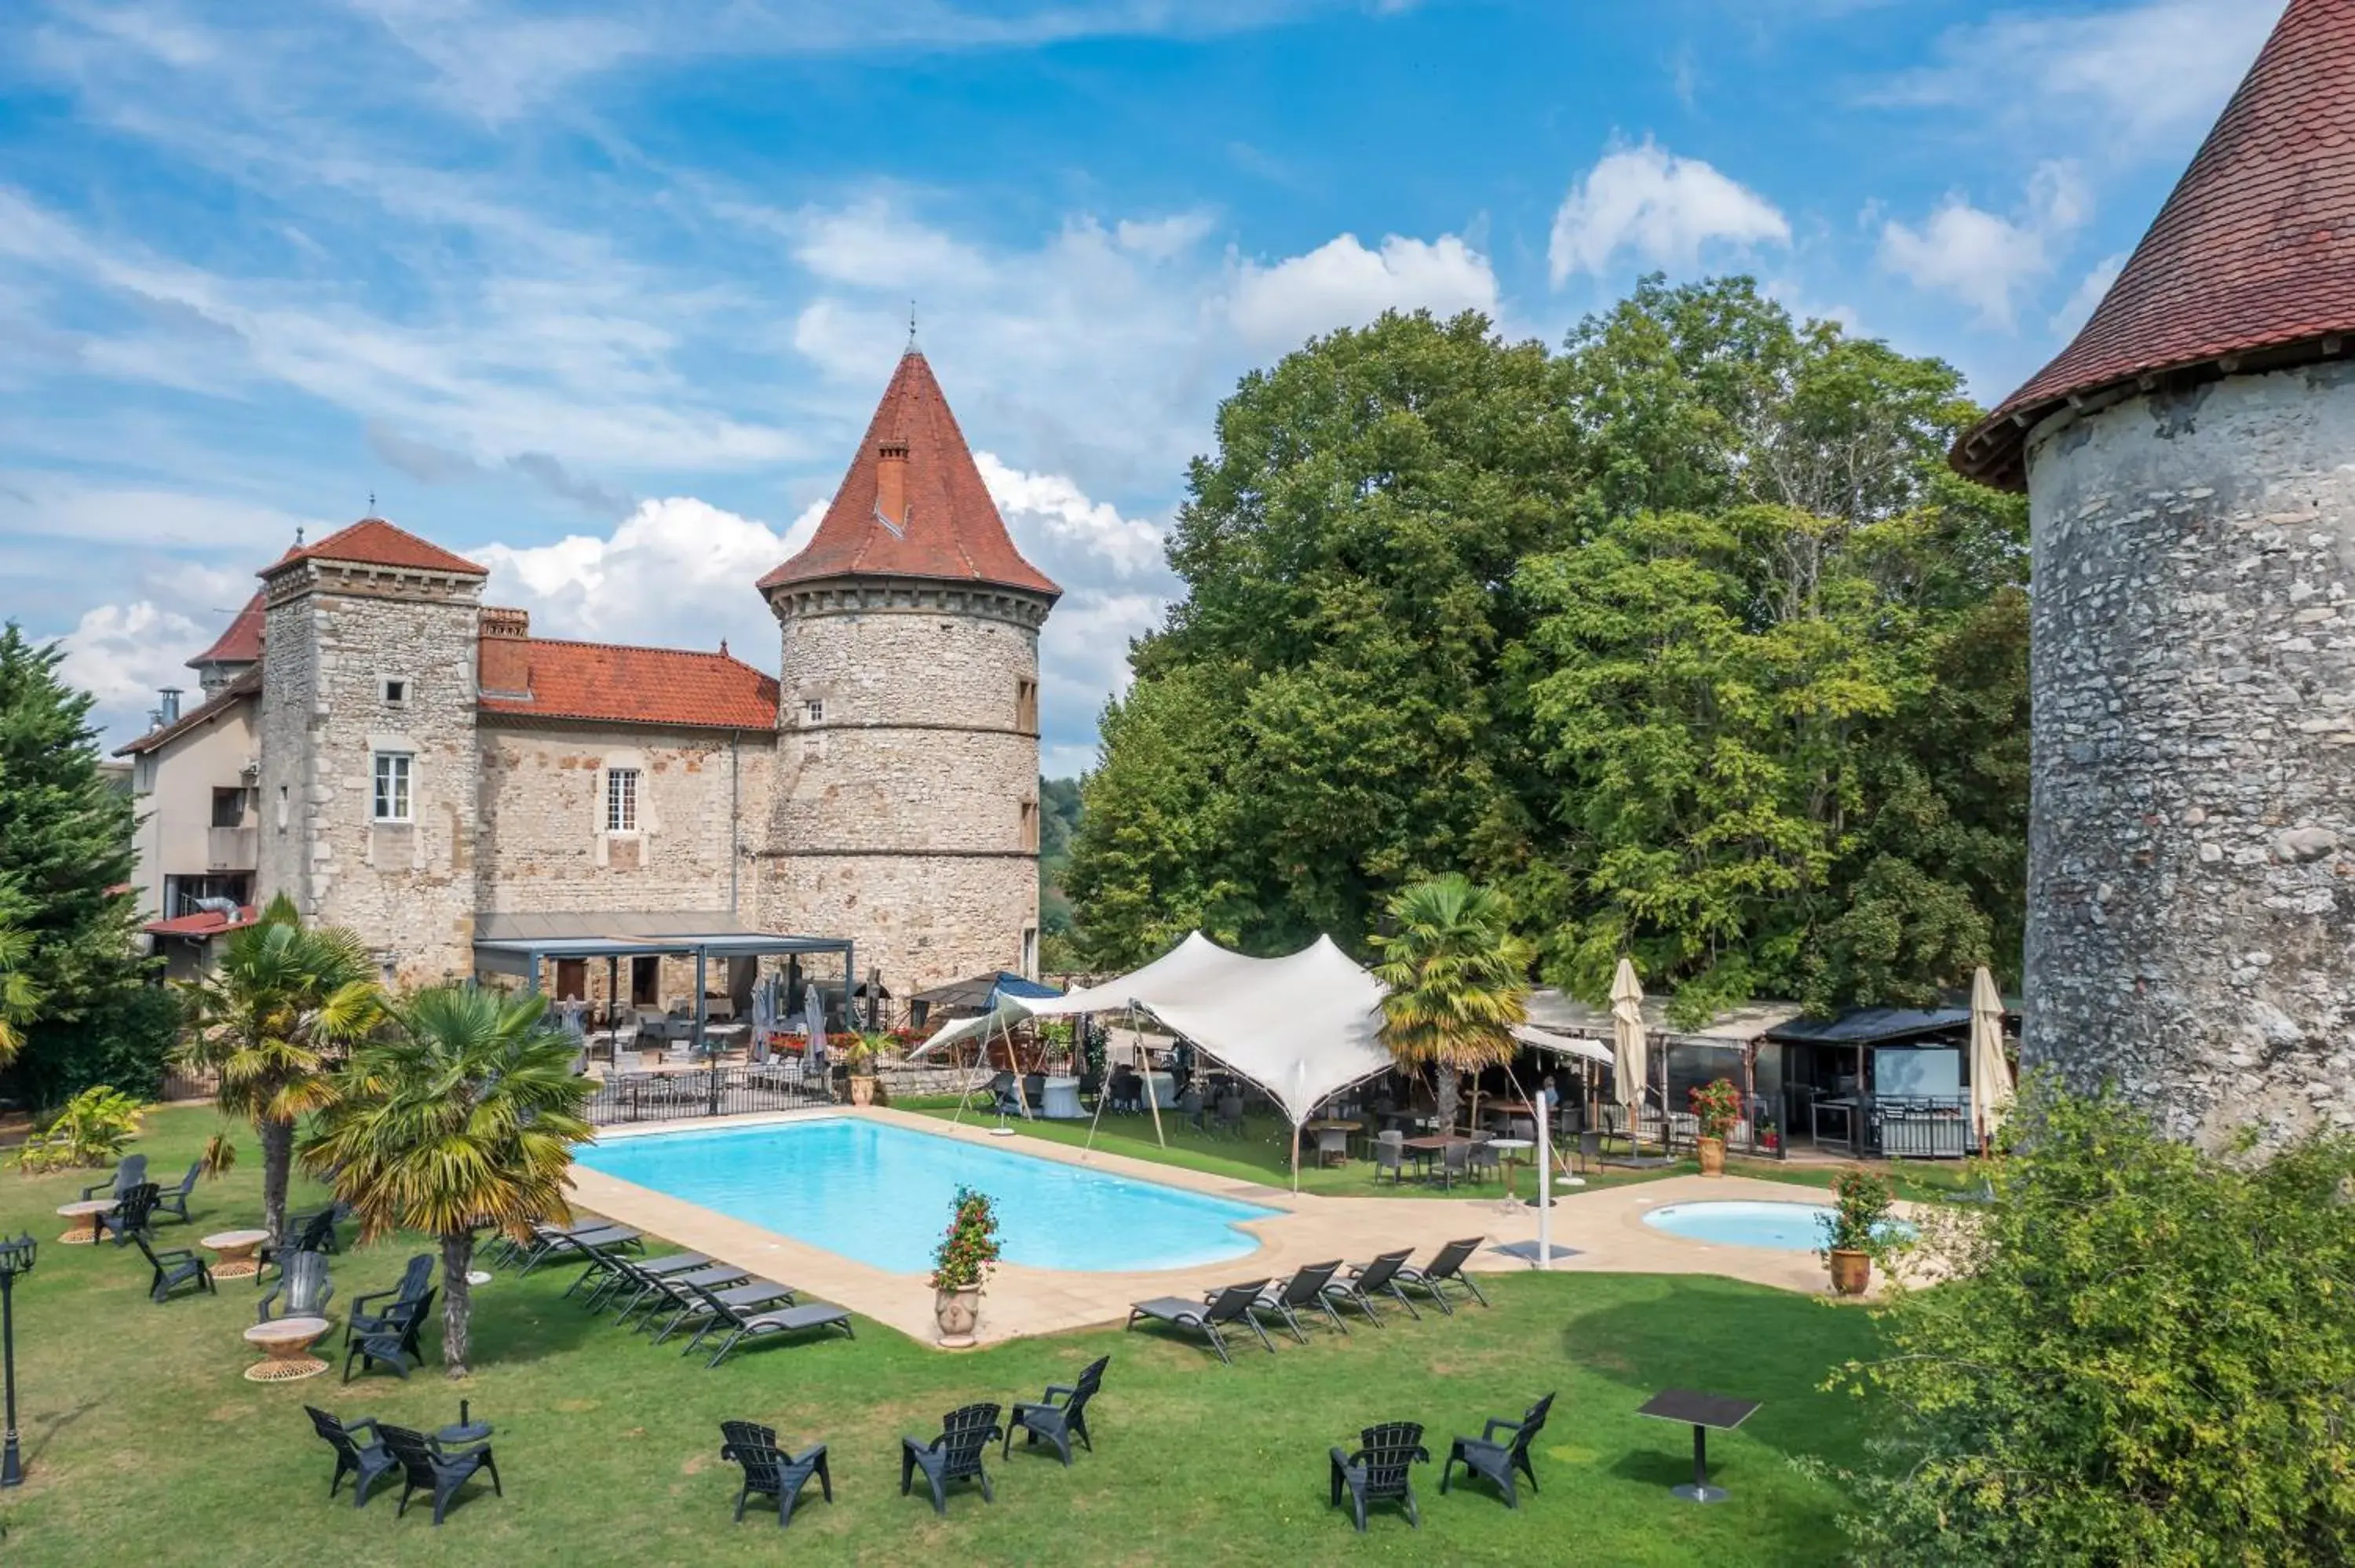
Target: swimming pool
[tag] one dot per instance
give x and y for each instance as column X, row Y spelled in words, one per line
column 1778, row 1227
column 881, row 1195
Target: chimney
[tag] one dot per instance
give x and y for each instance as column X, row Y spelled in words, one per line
column 170, row 711
column 891, row 483
column 503, row 655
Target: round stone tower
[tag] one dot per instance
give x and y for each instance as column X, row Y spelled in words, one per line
column 2189, row 461
column 907, row 812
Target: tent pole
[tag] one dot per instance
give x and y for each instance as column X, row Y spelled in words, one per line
column 1152, row 1094
column 1021, row 1095
column 1295, row 1157
column 1102, row 1090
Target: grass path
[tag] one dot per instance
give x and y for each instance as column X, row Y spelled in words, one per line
column 145, row 1443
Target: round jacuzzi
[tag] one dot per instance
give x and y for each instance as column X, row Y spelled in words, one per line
column 1776, row 1227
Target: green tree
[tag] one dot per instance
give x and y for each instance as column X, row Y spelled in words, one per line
column 66, row 853
column 20, row 995
column 2139, row 1354
column 270, row 1021
column 1458, row 977
column 465, row 1115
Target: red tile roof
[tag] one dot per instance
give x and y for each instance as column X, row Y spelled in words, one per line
column 672, row 686
column 240, row 644
column 203, row 923
column 2252, row 256
column 247, row 684
column 948, row 527
column 373, row 542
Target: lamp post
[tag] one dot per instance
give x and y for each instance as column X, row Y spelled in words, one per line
column 15, row 1258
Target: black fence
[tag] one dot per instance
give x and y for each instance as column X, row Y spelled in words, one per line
column 732, row 1090
column 1921, row 1127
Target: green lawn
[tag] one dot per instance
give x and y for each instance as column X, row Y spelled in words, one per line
column 144, row 1445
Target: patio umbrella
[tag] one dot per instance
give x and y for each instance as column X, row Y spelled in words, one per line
column 1628, row 1057
column 1991, row 1074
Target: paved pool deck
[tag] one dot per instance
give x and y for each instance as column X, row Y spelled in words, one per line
column 1597, row 1231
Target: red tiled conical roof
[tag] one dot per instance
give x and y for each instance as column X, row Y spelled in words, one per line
column 947, row 528
column 240, row 644
column 373, row 542
column 2252, row 258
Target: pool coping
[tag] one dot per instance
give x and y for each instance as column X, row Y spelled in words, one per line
column 1596, row 1229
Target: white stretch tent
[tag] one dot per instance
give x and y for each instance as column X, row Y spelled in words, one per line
column 1302, row 1028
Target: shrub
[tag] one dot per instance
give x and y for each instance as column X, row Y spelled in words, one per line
column 90, row 1129
column 1859, row 1221
column 2144, row 1353
column 1718, row 1105
column 963, row 1260
column 123, row 1038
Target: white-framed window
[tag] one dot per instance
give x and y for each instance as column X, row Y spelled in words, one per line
column 621, row 799
column 392, row 797
column 813, row 710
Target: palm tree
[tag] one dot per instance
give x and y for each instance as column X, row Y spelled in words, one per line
column 1458, row 980
column 270, row 1021
column 463, row 1117
column 20, row 999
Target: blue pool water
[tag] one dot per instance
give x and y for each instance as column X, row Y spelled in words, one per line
column 883, row 1194
column 1779, row 1227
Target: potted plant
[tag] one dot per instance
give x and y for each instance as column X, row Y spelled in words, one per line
column 961, row 1265
column 1856, row 1230
column 859, row 1056
column 1718, row 1106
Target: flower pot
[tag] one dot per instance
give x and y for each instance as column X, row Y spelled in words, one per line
column 862, row 1091
column 1713, row 1156
column 1851, row 1271
column 956, row 1311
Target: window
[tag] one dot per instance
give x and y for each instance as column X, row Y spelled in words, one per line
column 1030, row 824
column 396, row 693
column 1026, row 705
column 621, row 799
column 392, row 787
column 228, row 808
column 814, row 711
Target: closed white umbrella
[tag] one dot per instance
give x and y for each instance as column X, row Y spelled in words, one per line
column 1630, row 1060
column 1991, row 1086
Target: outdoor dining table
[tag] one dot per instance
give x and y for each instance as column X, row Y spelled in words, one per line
column 88, row 1208
column 1424, row 1149
column 1332, row 1125
column 1059, row 1099
column 1701, row 1411
column 1509, row 1148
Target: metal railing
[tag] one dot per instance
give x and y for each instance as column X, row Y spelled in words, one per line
column 732, row 1090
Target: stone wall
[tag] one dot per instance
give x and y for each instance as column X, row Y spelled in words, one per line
column 335, row 635
column 2192, row 859
column 905, row 813
column 544, row 839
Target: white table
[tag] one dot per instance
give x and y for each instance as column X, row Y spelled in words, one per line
column 1059, row 1100
column 1158, row 1091
column 1509, row 1148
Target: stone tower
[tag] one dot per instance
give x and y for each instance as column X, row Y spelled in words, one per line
column 371, row 767
column 2189, row 461
column 907, row 804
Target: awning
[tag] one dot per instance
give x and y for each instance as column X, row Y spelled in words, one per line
column 1561, row 1044
column 1873, row 1026
column 1736, row 1026
column 981, row 993
column 516, row 944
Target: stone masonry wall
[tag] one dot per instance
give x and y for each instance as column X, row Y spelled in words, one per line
column 899, row 818
column 335, row 636
column 544, row 845
column 2191, row 858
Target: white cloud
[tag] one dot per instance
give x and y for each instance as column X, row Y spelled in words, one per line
column 1341, row 283
column 1665, row 210
column 2141, row 77
column 122, row 654
column 2079, row 305
column 1985, row 260
column 1050, row 518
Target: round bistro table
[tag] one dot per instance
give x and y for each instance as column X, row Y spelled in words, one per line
column 86, row 1209
column 236, row 1249
column 285, row 1344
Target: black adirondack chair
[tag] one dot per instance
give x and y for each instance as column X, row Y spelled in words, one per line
column 127, row 1175
column 954, row 1456
column 1445, row 1269
column 1379, row 1277
column 1224, row 1308
column 393, row 1345
column 1061, row 1415
column 174, row 1266
column 302, row 1287
column 1379, row 1471
column 130, row 1214
column 173, row 1201
column 368, row 1317
column 313, row 1232
column 426, row 1465
column 367, row 1461
column 768, row 1469
column 1304, row 1288
column 1484, row 1456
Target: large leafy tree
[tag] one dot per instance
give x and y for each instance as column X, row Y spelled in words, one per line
column 1459, row 981
column 270, row 1021
column 20, row 995
column 463, row 1117
column 65, row 854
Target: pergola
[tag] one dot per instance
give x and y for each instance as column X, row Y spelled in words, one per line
column 517, row 945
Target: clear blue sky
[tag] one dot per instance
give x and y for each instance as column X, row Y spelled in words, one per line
column 602, row 294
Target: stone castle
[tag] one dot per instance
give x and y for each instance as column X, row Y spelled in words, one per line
column 405, row 760
column 2189, row 461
